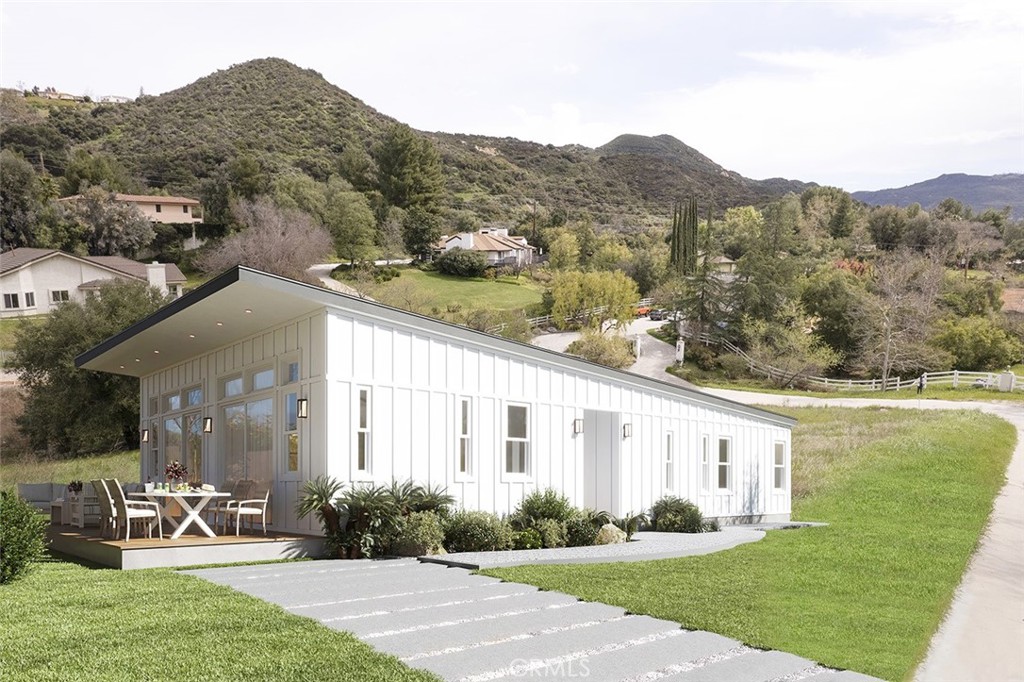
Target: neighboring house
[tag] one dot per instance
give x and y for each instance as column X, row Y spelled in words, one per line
column 34, row 281
column 298, row 381
column 499, row 247
column 159, row 209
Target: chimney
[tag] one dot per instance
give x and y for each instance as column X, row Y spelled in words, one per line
column 156, row 275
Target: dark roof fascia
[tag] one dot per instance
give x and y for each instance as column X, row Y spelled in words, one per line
column 202, row 292
column 329, row 298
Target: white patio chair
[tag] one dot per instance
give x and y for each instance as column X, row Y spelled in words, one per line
column 132, row 510
column 255, row 506
column 239, row 491
column 108, row 516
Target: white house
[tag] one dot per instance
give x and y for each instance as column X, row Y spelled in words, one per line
column 159, row 209
column 34, row 281
column 389, row 394
column 496, row 243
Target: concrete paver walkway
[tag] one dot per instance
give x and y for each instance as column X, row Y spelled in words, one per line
column 475, row 629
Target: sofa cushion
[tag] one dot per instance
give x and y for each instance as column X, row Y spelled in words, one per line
column 39, row 495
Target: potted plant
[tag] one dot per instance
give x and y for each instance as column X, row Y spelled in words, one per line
column 176, row 471
column 74, row 488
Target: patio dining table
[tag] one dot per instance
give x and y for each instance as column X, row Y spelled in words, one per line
column 192, row 503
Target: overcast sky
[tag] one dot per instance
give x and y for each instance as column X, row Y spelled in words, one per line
column 854, row 94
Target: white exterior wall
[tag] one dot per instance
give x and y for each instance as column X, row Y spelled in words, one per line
column 301, row 339
column 48, row 275
column 169, row 213
column 416, row 381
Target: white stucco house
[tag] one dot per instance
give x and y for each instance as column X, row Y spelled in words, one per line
column 495, row 242
column 292, row 381
column 159, row 209
column 35, row 281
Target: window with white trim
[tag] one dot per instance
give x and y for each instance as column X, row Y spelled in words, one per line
column 172, row 402
column 11, row 301
column 291, row 432
column 193, row 396
column 780, row 465
column 724, row 464
column 30, row 299
column 705, row 463
column 465, row 451
column 232, row 386
column 261, row 379
column 670, row 473
column 364, row 459
column 60, row 296
column 517, row 439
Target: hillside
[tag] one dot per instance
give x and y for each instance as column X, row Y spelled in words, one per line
column 291, row 118
column 980, row 192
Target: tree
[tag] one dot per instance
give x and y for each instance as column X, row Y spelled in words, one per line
column 19, row 201
column 893, row 321
column 71, row 411
column 111, row 227
column 592, row 299
column 356, row 166
column 830, row 296
column 299, row 191
column 409, row 172
column 351, row 223
column 389, row 234
column 978, row 344
column 282, row 241
column 247, row 177
column 886, row 226
column 564, row 252
column 793, row 353
column 421, row 230
column 100, row 169
column 683, row 245
column 701, row 296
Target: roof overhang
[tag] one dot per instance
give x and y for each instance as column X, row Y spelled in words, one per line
column 231, row 307
column 243, row 302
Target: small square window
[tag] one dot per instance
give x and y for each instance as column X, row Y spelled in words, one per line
column 232, row 386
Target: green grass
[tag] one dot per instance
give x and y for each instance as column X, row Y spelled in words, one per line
column 967, row 394
column 9, row 325
column 120, row 465
column 64, row 622
column 906, row 494
column 504, row 293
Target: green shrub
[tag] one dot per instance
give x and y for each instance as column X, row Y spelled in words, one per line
column 733, row 366
column 474, row 531
column 672, row 514
column 552, row 532
column 22, row 537
column 580, row 531
column 462, row 263
column 527, row 539
column 421, row 533
column 372, row 518
column 702, row 356
column 547, row 504
column 631, row 523
column 610, row 351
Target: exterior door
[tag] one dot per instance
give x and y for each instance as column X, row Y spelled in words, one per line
column 601, row 443
column 249, row 441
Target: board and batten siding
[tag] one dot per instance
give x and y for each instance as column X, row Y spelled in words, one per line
column 416, row 380
column 302, row 339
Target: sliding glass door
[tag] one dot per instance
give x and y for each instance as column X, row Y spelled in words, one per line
column 248, row 441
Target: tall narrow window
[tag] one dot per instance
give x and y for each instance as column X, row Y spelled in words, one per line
column 30, row 299
column 158, row 208
column 670, row 474
column 291, row 432
column 465, row 442
column 724, row 464
column 780, row 465
column 705, row 463
column 517, row 443
column 11, row 301
column 363, row 452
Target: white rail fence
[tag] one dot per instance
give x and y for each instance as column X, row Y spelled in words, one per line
column 955, row 378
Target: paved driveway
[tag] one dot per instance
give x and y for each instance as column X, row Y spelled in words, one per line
column 474, row 628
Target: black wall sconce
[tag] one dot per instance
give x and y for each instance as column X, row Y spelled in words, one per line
column 577, row 426
column 207, row 424
column 302, row 408
column 627, row 430
column 145, row 435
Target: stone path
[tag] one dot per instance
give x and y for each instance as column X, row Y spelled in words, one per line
column 476, row 629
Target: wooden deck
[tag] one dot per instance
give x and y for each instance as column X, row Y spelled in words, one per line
column 188, row 550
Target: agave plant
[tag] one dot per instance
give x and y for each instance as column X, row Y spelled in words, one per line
column 631, row 523
column 318, row 498
column 373, row 518
column 434, row 498
column 405, row 496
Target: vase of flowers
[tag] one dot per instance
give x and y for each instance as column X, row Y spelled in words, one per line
column 176, row 471
column 74, row 489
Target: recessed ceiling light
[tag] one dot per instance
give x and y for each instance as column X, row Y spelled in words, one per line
column 248, row 310
column 122, row 366
column 157, row 352
column 138, row 360
column 191, row 336
column 220, row 324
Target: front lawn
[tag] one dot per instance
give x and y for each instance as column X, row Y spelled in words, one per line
column 504, row 293
column 906, row 494
column 66, row 622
